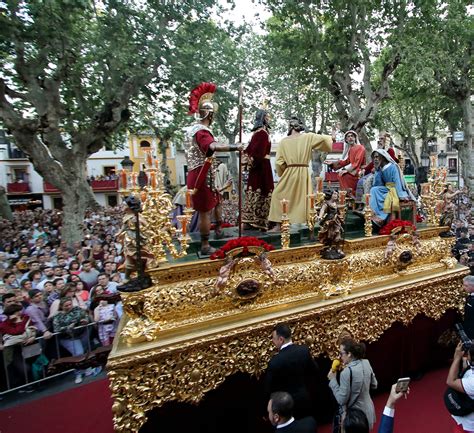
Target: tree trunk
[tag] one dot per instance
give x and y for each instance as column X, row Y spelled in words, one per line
column 466, row 150
column 162, row 146
column 68, row 173
column 77, row 197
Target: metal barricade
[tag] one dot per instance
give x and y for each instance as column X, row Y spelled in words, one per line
column 27, row 365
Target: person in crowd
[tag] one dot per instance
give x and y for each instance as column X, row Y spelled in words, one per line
column 34, row 265
column 280, row 414
column 292, row 369
column 49, row 294
column 15, row 332
column 81, row 291
column 292, row 164
column 35, row 277
column 352, row 388
column 468, row 324
column 68, row 291
column 74, row 267
column 26, row 286
column 70, row 322
column 356, row 420
column 38, row 313
column 260, row 185
column 7, row 300
column 106, row 317
column 109, row 267
column 109, row 286
column 10, row 281
column 48, row 273
column 461, row 378
column 88, row 274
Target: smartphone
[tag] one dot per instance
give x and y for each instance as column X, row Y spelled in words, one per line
column 402, row 384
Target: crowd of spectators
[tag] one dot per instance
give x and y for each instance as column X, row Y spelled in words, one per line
column 111, row 176
column 54, row 292
column 463, row 249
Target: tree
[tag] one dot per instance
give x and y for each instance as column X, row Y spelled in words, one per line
column 432, row 86
column 415, row 108
column 452, row 60
column 334, row 45
column 70, row 70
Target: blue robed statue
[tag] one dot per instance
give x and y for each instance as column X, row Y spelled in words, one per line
column 388, row 189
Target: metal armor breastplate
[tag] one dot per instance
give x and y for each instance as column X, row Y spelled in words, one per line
column 194, row 156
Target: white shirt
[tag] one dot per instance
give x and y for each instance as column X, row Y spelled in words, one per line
column 467, row 421
column 286, row 345
column 285, row 423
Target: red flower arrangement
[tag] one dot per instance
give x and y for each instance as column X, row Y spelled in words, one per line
column 243, row 242
column 387, row 229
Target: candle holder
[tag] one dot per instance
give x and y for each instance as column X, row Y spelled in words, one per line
column 431, row 194
column 157, row 222
column 285, row 232
column 342, row 205
column 368, row 221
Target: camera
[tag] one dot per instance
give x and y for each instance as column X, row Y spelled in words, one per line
column 466, row 341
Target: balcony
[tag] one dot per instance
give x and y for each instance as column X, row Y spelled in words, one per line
column 96, row 185
column 18, row 188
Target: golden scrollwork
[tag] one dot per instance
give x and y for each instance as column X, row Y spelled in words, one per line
column 368, row 221
column 158, row 227
column 285, row 232
column 197, row 297
column 185, row 367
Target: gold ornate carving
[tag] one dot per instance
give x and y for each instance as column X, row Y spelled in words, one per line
column 285, row 232
column 158, row 227
column 170, row 303
column 185, row 367
column 368, row 221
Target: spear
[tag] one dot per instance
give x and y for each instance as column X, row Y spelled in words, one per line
column 241, row 111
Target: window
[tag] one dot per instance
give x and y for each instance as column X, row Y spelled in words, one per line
column 112, row 200
column 20, row 175
column 57, row 203
column 145, row 143
column 109, row 170
column 453, row 165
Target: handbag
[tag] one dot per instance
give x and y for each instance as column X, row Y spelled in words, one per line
column 11, row 340
column 31, row 350
column 458, row 403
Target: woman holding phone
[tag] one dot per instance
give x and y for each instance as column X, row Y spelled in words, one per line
column 352, row 388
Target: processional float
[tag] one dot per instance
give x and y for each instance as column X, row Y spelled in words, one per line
column 202, row 321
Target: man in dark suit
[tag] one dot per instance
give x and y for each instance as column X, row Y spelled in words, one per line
column 280, row 414
column 290, row 370
column 468, row 284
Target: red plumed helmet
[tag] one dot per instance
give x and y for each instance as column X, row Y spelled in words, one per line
column 200, row 99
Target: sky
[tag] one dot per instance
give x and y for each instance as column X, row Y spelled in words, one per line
column 249, row 11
